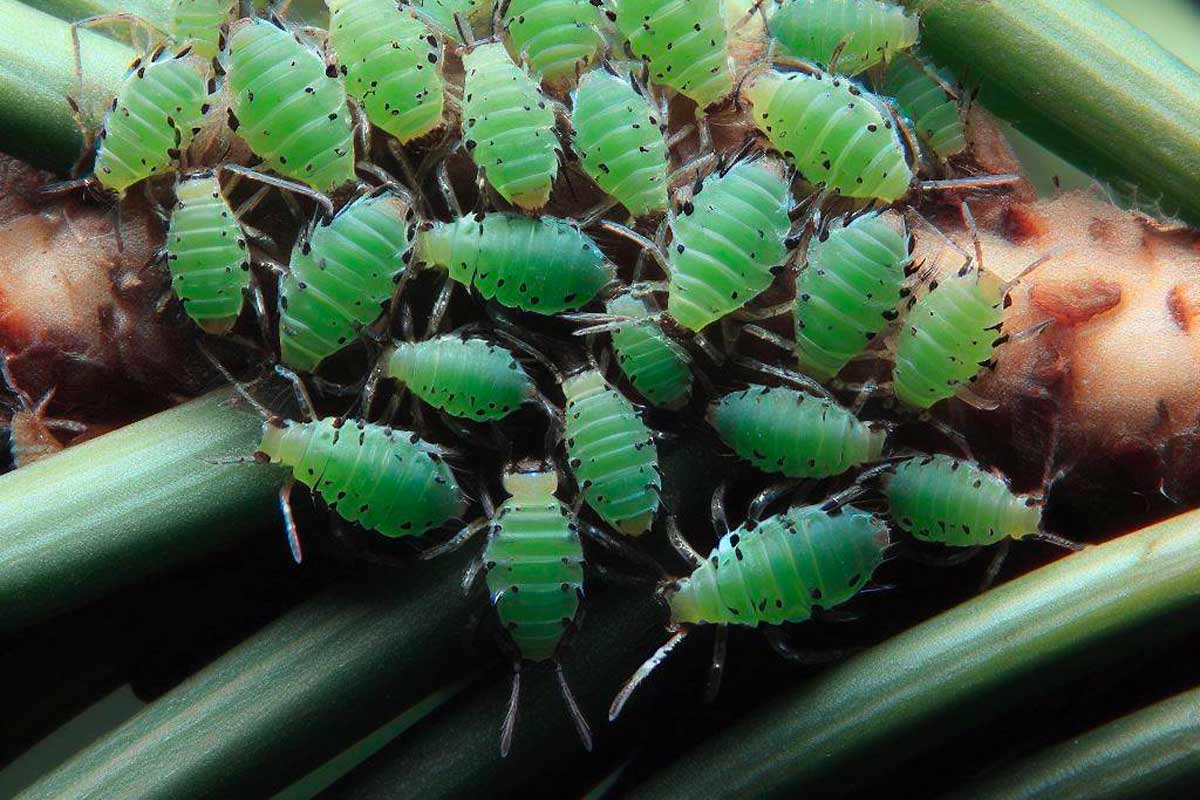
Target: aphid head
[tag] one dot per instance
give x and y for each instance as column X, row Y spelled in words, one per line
column 530, row 478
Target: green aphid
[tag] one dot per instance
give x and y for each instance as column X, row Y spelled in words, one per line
column 440, row 14
column 657, row 365
column 557, row 39
column 873, row 31
column 921, row 94
column 198, row 24
column 467, row 378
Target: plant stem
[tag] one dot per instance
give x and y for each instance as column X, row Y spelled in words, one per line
column 903, row 695
column 156, row 12
column 1083, row 82
column 133, row 502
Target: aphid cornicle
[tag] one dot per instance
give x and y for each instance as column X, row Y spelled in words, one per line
column 508, row 127
column 611, row 453
column 539, row 264
column 873, row 31
column 340, row 275
column 838, row 135
column 467, row 378
column 936, row 115
column 392, row 64
column 288, row 106
column 556, row 38
column 657, row 366
column 728, row 242
column 620, row 143
column 207, row 254
column 782, row 430
column 848, row 291
column 197, row 23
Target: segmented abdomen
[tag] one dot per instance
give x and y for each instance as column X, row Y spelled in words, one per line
column 198, row 23
column 392, row 65
column 947, row 337
column 848, row 292
column 684, row 43
column 657, row 366
column 924, row 100
column 620, row 143
column 508, row 127
column 441, row 13
column 386, row 480
column 154, row 116
column 726, row 243
column 942, row 499
column 612, row 453
column 782, row 568
column 539, row 264
column 288, row 107
column 468, row 378
column 873, row 31
column 836, row 133
column 782, row 430
column 207, row 255
column 557, row 37
column 339, row 280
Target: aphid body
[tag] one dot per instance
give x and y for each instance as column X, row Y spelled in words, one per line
column 289, row 107
column 782, row 430
column 873, row 31
column 657, row 366
column 386, row 480
column 539, row 264
column 619, row 139
column 340, row 276
column 956, row 503
column 935, row 115
column 206, row 254
column 848, row 292
column 727, row 242
column 683, row 41
column 508, row 127
column 838, row 135
column 468, row 378
column 783, row 567
column 440, row 13
column 611, row 453
column 556, row 38
column 197, row 23
column 392, row 65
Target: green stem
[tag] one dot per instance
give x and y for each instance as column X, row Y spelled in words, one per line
column 1083, row 82
column 1152, row 753
column 133, row 502
column 156, row 12
column 909, row 692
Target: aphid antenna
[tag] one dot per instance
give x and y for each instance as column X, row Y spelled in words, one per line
column 1050, row 255
column 648, row 666
column 282, row 183
column 797, row 379
column 581, row 725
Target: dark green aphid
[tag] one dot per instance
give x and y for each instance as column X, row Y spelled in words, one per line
column 873, row 31
column 786, row 431
column 467, row 378
column 838, row 135
column 340, row 276
column 207, row 254
column 508, row 127
column 392, row 64
column 848, row 292
column 922, row 95
column 556, row 38
column 727, row 243
column 611, row 453
column 289, row 107
column 197, row 24
column 657, row 366
column 539, row 264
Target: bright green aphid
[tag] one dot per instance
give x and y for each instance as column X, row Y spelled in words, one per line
column 557, row 39
column 467, row 378
column 197, row 23
column 657, row 366
column 921, row 94
column 873, row 31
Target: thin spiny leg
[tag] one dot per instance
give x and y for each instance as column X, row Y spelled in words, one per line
column 717, row 668
column 474, row 572
column 447, row 190
column 456, row 541
column 682, row 545
column 989, row 577
column 440, row 305
column 647, row 667
column 955, row 437
column 720, row 521
column 625, row 232
column 581, row 725
column 593, row 215
column 771, row 337
column 514, row 697
column 1060, row 541
column 796, row 378
column 976, row 182
column 621, row 548
column 302, row 395
column 281, row 183
column 764, row 499
column 289, row 521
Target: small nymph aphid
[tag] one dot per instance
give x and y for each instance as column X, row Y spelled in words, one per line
column 928, row 100
column 557, row 39
column 657, row 365
column 868, row 31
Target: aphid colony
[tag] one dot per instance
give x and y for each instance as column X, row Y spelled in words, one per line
column 550, row 94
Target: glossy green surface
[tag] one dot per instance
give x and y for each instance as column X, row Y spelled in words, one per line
column 683, row 41
column 657, row 366
column 197, row 24
column 873, row 31
column 923, row 99
column 468, row 378
column 556, row 38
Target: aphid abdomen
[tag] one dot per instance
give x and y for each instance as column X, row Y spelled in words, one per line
column 198, row 23
column 936, row 115
column 873, row 31
column 468, row 378
column 340, row 281
column 847, row 293
column 837, row 134
column 534, row 564
column 620, row 143
column 392, row 65
column 726, row 244
column 207, row 255
column 539, row 264
column 612, row 453
column 786, row 431
column 557, row 37
column 288, row 107
column 657, row 366
column 780, row 569
column 684, row 43
column 947, row 338
column 953, row 502
column 508, row 127
column 441, row 14
column 387, row 480
column 156, row 113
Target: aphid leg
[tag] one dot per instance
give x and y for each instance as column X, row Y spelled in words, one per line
column 696, row 165
column 720, row 521
column 302, row 395
column 592, row 216
column 865, row 391
column 1008, row 285
column 282, row 183
column 779, row 643
column 771, row 337
column 952, row 559
column 955, row 437
column 237, row 385
column 514, row 697
column 625, row 232
column 474, row 573
column 642, row 672
column 791, row 376
column 989, row 577
column 620, row 547
column 682, row 546
column 289, row 520
column 554, row 422
column 1060, row 541
column 262, row 313
column 456, row 541
column 447, row 190
column 440, row 305
column 834, row 615
column 709, row 349
column 581, row 725
column 978, row 182
column 764, row 499
column 717, row 668
column 410, row 176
